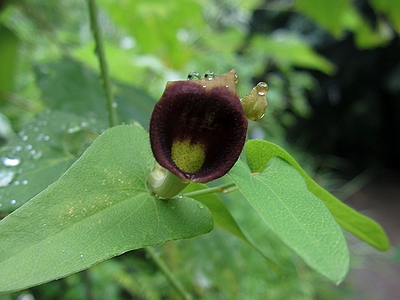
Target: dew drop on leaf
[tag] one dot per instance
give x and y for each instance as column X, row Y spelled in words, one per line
column 6, row 176
column 13, row 201
column 11, row 162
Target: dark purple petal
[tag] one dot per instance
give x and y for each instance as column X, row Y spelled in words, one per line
column 198, row 128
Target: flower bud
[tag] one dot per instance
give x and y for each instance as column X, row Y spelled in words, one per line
column 255, row 103
column 198, row 127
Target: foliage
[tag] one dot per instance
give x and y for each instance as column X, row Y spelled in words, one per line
column 80, row 187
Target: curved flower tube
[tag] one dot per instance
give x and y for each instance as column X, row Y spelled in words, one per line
column 198, row 127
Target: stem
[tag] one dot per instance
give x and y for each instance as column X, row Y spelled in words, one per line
column 224, row 188
column 165, row 184
column 177, row 285
column 112, row 114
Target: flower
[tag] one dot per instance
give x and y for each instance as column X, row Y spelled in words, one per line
column 198, row 127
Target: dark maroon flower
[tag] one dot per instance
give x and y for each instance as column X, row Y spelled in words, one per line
column 198, row 127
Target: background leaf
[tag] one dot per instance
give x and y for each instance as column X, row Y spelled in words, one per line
column 41, row 152
column 8, row 60
column 70, row 86
column 98, row 209
column 258, row 155
column 300, row 220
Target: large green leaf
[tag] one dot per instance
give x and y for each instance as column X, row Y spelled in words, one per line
column 258, row 155
column 70, row 86
column 224, row 219
column 282, row 200
column 98, row 209
column 42, row 151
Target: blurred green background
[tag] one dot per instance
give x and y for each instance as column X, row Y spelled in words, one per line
column 333, row 69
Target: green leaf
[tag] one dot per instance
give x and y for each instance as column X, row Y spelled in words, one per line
column 341, row 15
column 70, row 86
column 391, row 9
column 258, row 155
column 223, row 218
column 296, row 216
column 292, row 50
column 8, row 59
column 327, row 14
column 98, row 209
column 157, row 27
column 42, row 151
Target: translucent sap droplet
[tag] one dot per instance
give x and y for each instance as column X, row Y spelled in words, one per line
column 13, row 201
column 6, row 176
column 11, row 162
column 262, row 88
column 209, row 75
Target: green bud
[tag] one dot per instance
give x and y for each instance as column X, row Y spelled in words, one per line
column 255, row 103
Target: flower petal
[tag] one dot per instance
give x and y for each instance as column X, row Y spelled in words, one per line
column 198, row 128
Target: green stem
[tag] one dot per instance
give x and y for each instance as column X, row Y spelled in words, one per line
column 224, row 188
column 112, row 114
column 167, row 272
column 164, row 184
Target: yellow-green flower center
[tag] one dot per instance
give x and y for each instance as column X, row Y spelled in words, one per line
column 188, row 156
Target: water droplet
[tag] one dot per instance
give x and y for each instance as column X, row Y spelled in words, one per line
column 24, row 138
column 32, row 152
column 13, row 201
column 84, row 124
column 11, row 162
column 262, row 88
column 209, row 75
column 6, row 176
column 44, row 224
column 24, row 182
column 16, row 182
column 73, row 129
column 193, row 76
column 28, row 147
column 46, row 137
column 81, row 255
column 236, row 78
column 1, row 205
column 18, row 148
column 37, row 155
column 115, row 104
column 201, row 205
